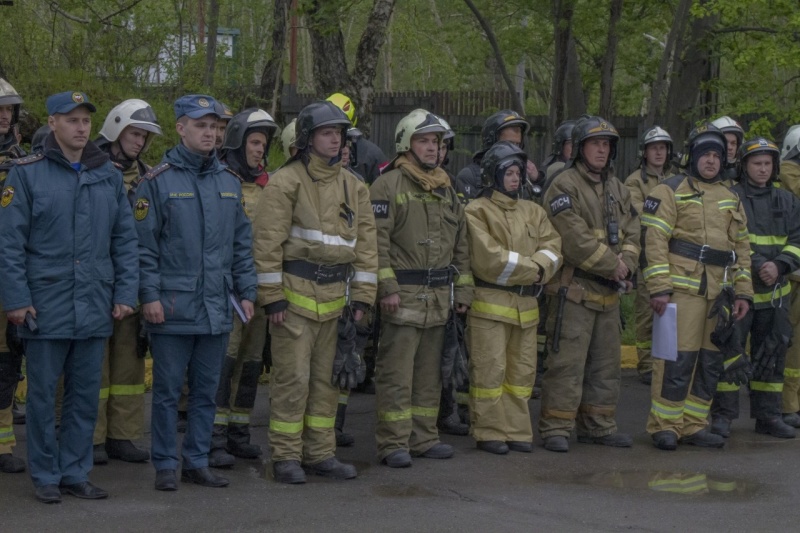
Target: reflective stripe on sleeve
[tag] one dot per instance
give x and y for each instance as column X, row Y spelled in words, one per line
column 317, row 236
column 270, row 277
column 365, row 277
column 511, row 264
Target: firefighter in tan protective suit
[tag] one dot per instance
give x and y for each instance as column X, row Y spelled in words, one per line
column 592, row 211
column 655, row 149
column 10, row 352
column 245, row 149
column 790, row 180
column 514, row 249
column 697, row 256
column 423, row 250
column 314, row 236
column 126, row 134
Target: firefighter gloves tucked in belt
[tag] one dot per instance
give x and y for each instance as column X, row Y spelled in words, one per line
column 347, row 368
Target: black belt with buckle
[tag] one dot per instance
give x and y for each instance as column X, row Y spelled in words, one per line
column 702, row 253
column 434, row 277
column 321, row 274
column 610, row 283
column 522, row 290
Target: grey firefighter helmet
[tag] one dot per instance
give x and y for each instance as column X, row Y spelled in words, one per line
column 490, row 133
column 249, row 120
column 10, row 96
column 499, row 157
column 316, row 115
column 656, row 134
column 588, row 127
column 791, row 143
column 133, row 112
column 563, row 134
column 759, row 146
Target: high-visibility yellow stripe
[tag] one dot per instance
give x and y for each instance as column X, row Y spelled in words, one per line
column 518, row 391
column 385, row 273
column 479, row 393
column 221, row 419
column 416, row 410
column 791, row 372
column 126, row 390
column 727, row 204
column 286, row 427
column 593, row 259
column 506, row 312
column 766, row 387
column 722, row 486
column 343, row 399
column 7, row 435
column 683, row 281
column 729, row 362
column 696, row 409
column 655, row 222
column 742, row 235
column 308, row 303
column 324, row 422
column 742, row 273
column 724, row 386
column 104, row 393
column 791, row 250
column 681, row 486
column 239, row 418
column 394, row 416
column 654, row 270
column 766, row 297
column 767, row 240
column 665, row 411
column 465, row 280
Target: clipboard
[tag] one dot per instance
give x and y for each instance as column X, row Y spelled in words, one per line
column 237, row 306
column 665, row 334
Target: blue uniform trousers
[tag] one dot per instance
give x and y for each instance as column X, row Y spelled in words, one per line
column 202, row 355
column 67, row 460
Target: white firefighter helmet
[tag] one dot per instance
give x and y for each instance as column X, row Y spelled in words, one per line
column 133, row 112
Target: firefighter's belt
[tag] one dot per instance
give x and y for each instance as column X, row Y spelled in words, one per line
column 522, row 290
column 610, row 283
column 321, row 274
column 703, row 254
column 434, row 277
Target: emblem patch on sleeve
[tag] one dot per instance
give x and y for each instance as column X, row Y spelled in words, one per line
column 560, row 203
column 8, row 195
column 141, row 209
column 380, row 208
column 651, row 205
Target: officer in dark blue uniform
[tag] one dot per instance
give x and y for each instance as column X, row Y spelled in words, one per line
column 69, row 266
column 195, row 258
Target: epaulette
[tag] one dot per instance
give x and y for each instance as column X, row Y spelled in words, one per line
column 238, row 177
column 155, row 171
column 29, row 159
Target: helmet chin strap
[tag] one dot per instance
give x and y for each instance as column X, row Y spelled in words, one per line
column 425, row 166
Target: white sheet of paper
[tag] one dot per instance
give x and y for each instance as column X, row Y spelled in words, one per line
column 665, row 334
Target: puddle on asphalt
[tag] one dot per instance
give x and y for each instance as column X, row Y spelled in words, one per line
column 686, row 483
column 403, row 491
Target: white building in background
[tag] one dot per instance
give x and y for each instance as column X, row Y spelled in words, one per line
column 165, row 71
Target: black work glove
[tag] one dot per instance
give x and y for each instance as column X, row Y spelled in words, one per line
column 347, row 361
column 142, row 341
column 737, row 370
column 454, row 353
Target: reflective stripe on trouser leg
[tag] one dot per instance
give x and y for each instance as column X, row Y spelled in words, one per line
column 562, row 382
column 502, row 371
column 293, row 345
column 7, row 439
column 601, row 377
column 790, row 397
column 673, row 380
column 766, row 388
column 319, row 438
column 643, row 316
column 394, row 375
column 426, row 389
column 125, row 408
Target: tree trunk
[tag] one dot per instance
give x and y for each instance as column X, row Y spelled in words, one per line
column 271, row 84
column 498, row 56
column 610, row 56
column 576, row 97
column 369, row 47
column 211, row 41
column 691, row 62
column 327, row 44
column 662, row 79
column 562, row 30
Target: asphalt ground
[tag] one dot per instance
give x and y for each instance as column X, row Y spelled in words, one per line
column 753, row 484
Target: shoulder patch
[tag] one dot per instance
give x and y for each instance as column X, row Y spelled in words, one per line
column 155, row 171
column 29, row 159
column 238, row 177
column 380, row 208
column 560, row 203
column 140, row 209
column 651, row 205
column 7, row 196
